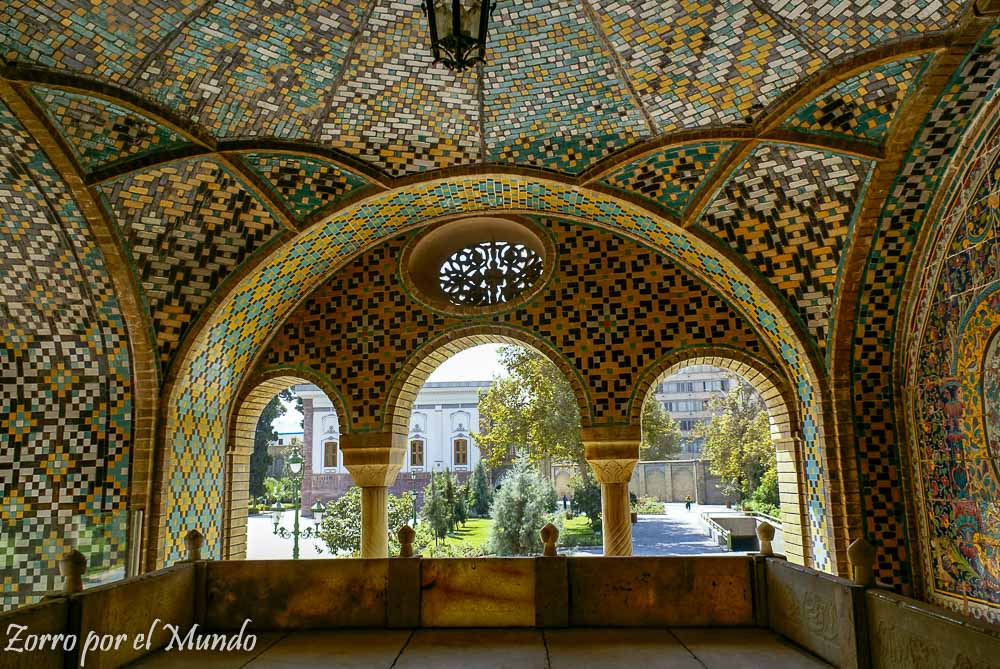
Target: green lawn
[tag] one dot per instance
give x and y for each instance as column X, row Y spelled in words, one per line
column 477, row 530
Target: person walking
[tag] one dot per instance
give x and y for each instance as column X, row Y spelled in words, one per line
column 687, row 502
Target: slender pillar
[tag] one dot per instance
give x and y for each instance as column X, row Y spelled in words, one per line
column 374, row 521
column 613, row 453
column 374, row 460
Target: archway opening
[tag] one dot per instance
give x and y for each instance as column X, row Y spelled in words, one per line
column 718, row 458
column 491, row 431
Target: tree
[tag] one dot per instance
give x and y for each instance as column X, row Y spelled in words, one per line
column 533, row 411
column 462, row 504
column 435, row 511
column 738, row 441
column 519, row 511
column 480, row 492
column 661, row 438
column 586, row 497
column 449, row 498
column 265, row 434
column 340, row 528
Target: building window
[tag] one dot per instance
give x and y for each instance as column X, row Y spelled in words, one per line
column 461, row 448
column 330, row 455
column 416, row 452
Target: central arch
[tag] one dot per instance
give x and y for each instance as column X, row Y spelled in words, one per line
column 226, row 347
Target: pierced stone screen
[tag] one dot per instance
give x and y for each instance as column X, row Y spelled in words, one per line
column 489, row 273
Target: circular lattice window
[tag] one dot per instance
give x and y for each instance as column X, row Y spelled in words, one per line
column 489, row 273
column 477, row 265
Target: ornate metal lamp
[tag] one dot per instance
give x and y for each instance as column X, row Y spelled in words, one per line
column 458, row 31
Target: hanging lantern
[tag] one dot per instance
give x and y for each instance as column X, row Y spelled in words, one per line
column 458, row 31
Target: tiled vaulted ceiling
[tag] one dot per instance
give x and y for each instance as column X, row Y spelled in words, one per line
column 567, row 83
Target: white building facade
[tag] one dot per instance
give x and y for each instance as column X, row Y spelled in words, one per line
column 687, row 395
column 444, row 416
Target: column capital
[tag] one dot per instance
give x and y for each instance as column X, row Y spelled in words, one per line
column 612, row 451
column 373, row 458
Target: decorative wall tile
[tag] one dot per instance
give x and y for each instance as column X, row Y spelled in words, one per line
column 197, row 414
column 863, row 106
column 599, row 313
column 65, row 381
column 396, row 108
column 187, row 226
column 670, row 177
column 249, row 68
column 554, row 101
column 974, row 82
column 704, row 63
column 303, row 184
column 789, row 211
column 101, row 133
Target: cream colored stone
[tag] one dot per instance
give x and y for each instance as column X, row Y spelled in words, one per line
column 499, row 592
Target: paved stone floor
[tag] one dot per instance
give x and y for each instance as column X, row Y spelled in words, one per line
column 679, row 532
column 264, row 544
column 677, row 648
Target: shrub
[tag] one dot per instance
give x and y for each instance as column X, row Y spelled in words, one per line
column 649, row 506
column 586, row 494
column 520, row 509
column 340, row 528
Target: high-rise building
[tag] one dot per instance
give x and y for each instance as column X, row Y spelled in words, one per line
column 687, row 396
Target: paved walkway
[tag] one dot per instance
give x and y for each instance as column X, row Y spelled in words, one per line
column 679, row 532
column 264, row 544
column 594, row 648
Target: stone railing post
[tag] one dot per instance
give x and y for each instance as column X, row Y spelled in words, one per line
column 549, row 535
column 374, row 460
column 612, row 453
column 72, row 567
column 194, row 541
column 406, row 535
column 861, row 554
column 765, row 535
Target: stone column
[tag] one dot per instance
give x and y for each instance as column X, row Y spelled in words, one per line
column 612, row 453
column 374, row 460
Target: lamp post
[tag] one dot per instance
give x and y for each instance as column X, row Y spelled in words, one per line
column 458, row 31
column 294, row 464
column 413, row 488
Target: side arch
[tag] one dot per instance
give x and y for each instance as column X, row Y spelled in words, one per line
column 255, row 395
column 784, row 419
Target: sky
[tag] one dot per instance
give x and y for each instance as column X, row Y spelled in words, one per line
column 478, row 363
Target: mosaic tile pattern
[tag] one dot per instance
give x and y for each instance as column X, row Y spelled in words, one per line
column 65, row 381
column 395, row 107
column 187, row 226
column 102, row 39
column 670, row 177
column 249, row 68
column 975, row 81
column 697, row 64
column 838, row 27
column 955, row 365
column 789, row 212
column 101, row 133
column 303, row 184
column 197, row 414
column 863, row 106
column 598, row 312
column 554, row 101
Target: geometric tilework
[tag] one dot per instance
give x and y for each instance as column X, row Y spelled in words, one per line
column 197, row 412
column 696, row 64
column 303, row 184
column 245, row 68
column 187, row 226
column 863, row 106
column 837, row 27
column 589, row 117
column 670, row 177
column 975, row 81
column 361, row 324
column 101, row 39
column 395, row 107
column 789, row 212
column 65, row 381
column 101, row 133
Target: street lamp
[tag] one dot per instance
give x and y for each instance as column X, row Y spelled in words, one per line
column 458, row 31
column 413, row 489
column 294, row 464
